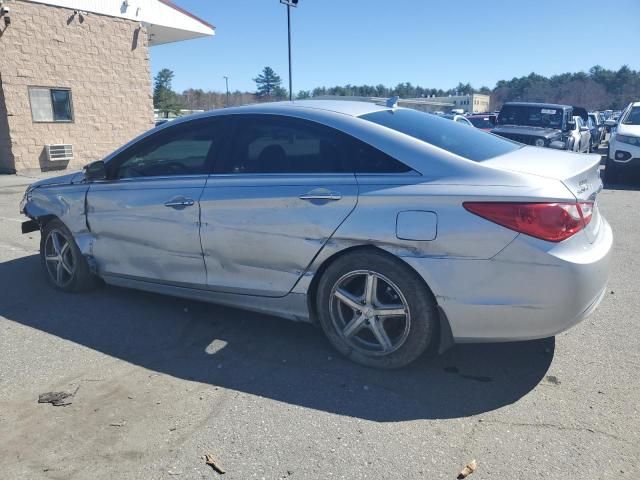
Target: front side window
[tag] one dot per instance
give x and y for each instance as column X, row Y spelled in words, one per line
column 632, row 117
column 50, row 104
column 183, row 149
column 469, row 143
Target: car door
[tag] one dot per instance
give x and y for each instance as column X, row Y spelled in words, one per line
column 585, row 134
column 281, row 190
column 145, row 217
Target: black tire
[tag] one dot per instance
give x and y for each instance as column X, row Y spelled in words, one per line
column 414, row 331
column 76, row 275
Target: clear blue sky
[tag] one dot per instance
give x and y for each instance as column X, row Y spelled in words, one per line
column 428, row 43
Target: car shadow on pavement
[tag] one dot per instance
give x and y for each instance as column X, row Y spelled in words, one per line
column 273, row 358
column 622, row 186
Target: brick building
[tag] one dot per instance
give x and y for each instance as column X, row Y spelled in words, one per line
column 75, row 80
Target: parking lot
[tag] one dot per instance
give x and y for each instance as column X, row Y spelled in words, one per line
column 160, row 382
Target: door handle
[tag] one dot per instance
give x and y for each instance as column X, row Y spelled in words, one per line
column 330, row 196
column 179, row 202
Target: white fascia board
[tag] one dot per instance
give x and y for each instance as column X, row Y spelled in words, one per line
column 149, row 12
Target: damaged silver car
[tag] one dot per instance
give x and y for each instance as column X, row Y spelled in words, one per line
column 392, row 229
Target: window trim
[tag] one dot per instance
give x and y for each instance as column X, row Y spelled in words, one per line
column 44, row 87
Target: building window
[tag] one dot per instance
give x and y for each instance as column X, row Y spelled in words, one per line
column 50, row 104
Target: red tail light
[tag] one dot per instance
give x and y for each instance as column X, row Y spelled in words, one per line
column 553, row 222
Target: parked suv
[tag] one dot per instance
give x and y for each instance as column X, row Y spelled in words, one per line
column 624, row 145
column 484, row 122
column 543, row 125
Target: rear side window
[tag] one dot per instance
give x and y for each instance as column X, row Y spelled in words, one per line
column 470, row 143
column 276, row 144
column 369, row 159
column 285, row 145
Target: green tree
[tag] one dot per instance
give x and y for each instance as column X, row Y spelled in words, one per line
column 164, row 98
column 280, row 93
column 268, row 83
column 302, row 94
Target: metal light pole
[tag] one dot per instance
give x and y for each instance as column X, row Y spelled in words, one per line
column 289, row 4
column 226, row 81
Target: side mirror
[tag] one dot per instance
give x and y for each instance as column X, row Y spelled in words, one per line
column 610, row 123
column 571, row 125
column 95, row 171
column 584, row 129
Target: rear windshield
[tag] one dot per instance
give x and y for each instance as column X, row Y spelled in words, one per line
column 482, row 122
column 454, row 137
column 531, row 116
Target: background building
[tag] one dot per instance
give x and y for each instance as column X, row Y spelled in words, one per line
column 474, row 103
column 75, row 80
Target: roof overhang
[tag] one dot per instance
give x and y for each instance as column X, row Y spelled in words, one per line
column 165, row 21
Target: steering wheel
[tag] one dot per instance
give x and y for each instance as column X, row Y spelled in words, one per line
column 176, row 168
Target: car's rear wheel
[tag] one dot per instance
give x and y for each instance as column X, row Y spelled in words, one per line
column 375, row 310
column 64, row 265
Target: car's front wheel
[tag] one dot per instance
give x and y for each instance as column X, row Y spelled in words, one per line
column 64, row 265
column 376, row 310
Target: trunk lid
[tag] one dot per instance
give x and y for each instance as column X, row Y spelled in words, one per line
column 579, row 172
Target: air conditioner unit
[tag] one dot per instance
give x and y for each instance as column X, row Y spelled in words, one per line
column 59, row 153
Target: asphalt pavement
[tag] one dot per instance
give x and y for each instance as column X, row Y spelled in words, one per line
column 159, row 382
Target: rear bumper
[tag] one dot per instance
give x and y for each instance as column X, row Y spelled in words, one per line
column 531, row 289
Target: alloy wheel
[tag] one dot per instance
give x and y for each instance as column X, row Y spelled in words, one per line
column 370, row 312
column 59, row 258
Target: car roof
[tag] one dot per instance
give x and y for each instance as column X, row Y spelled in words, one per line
column 535, row 104
column 346, row 107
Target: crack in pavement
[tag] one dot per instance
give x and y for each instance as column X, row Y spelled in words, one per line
column 561, row 428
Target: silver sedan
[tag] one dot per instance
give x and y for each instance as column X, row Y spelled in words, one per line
column 392, row 229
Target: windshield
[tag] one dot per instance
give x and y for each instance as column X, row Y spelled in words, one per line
column 454, row 137
column 633, row 117
column 531, row 116
column 482, row 122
